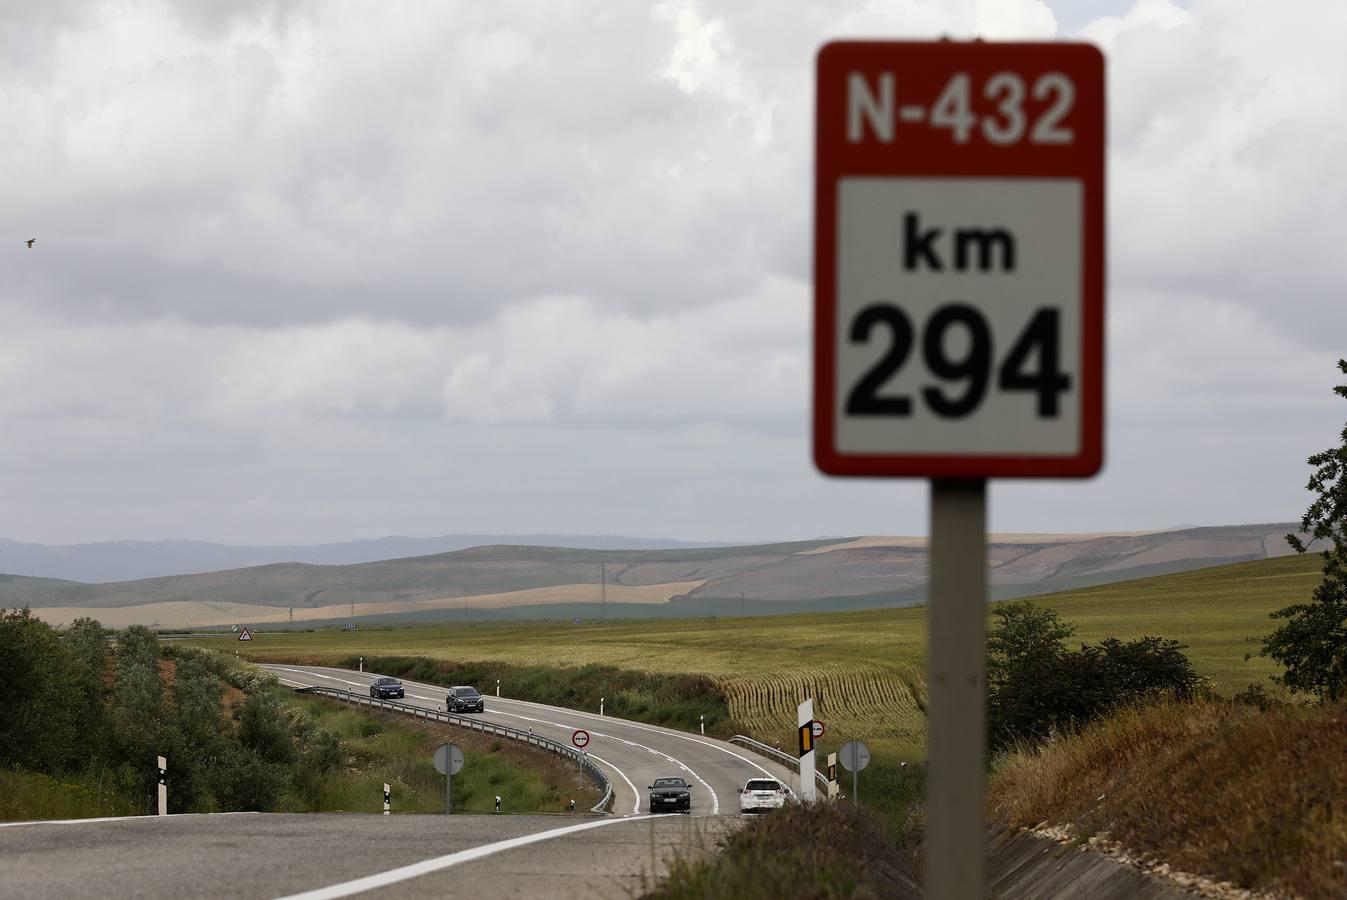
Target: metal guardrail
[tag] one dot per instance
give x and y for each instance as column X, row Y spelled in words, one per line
column 780, row 756
column 485, row 727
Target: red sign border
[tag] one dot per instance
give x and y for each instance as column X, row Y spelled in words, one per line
column 822, row 730
column 1089, row 460
column 575, row 735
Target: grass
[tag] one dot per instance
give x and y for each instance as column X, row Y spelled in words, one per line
column 30, row 795
column 823, row 851
column 864, row 669
column 383, row 747
column 656, row 698
column 1212, row 788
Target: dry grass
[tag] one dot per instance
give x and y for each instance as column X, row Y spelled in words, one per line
column 1255, row 798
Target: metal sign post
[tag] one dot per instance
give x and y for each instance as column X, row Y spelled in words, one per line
column 448, row 762
column 956, row 687
column 958, row 328
column 854, row 756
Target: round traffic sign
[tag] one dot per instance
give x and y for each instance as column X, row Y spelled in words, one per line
column 818, row 729
column 580, row 738
column 854, row 756
column 448, row 759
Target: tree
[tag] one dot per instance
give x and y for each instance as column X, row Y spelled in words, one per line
column 87, row 642
column 1036, row 686
column 1312, row 645
column 1030, row 679
column 137, row 645
column 39, row 721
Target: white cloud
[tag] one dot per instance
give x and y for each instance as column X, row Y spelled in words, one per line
column 307, row 270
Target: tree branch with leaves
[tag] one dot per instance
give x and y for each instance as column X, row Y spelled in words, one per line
column 1312, row 645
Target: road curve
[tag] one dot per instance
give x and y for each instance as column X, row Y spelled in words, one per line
column 283, row 856
column 633, row 754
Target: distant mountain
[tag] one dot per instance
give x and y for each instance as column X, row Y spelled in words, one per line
column 109, row 561
column 511, row 581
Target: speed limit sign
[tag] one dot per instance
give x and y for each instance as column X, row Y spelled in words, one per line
column 959, row 260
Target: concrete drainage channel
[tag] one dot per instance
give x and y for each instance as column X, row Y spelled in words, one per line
column 514, row 734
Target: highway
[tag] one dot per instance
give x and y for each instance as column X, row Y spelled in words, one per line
column 323, row 857
column 631, row 753
column 286, row 856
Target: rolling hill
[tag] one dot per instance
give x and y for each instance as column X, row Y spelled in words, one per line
column 105, row 561
column 508, row 581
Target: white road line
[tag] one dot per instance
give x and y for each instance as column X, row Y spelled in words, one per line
column 625, row 723
column 636, row 806
column 116, row 819
column 425, row 867
column 715, row 800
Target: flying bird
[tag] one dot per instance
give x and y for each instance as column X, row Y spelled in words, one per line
column 30, row 243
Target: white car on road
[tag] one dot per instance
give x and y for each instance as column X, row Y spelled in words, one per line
column 763, row 795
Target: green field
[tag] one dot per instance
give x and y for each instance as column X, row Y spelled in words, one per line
column 865, row 669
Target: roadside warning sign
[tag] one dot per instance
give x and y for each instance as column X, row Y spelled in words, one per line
column 580, row 738
column 245, row 634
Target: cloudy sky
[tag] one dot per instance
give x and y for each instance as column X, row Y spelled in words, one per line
column 310, row 271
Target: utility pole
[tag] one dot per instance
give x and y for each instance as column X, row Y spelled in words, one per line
column 603, row 592
column 292, row 617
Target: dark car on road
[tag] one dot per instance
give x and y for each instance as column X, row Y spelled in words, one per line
column 385, row 688
column 464, row 699
column 670, row 795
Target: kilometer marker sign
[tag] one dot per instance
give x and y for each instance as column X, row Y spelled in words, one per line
column 959, row 260
column 958, row 332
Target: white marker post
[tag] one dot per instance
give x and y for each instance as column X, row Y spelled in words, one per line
column 959, row 329
column 388, row 800
column 805, row 718
column 497, row 687
column 600, row 706
column 703, row 723
column 163, row 786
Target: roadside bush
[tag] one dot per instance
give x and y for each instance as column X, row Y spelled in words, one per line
column 137, row 646
column 241, row 779
column 678, row 701
column 1037, row 687
column 823, row 851
column 264, row 730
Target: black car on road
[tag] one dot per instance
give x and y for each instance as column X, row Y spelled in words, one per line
column 670, row 795
column 385, row 687
column 464, row 699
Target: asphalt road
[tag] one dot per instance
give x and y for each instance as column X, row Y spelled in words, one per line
column 633, row 754
column 321, row 857
column 317, row 857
